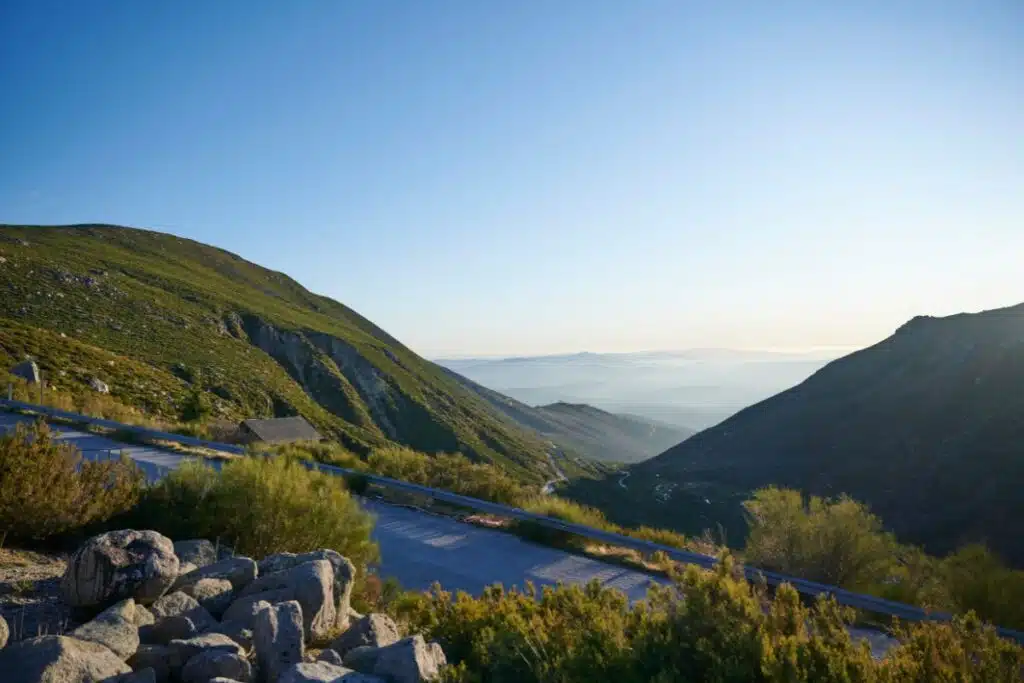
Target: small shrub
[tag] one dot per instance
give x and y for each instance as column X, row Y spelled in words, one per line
column 48, row 489
column 838, row 542
column 261, row 506
column 567, row 511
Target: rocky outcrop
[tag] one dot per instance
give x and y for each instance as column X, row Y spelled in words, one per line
column 240, row 571
column 309, row 583
column 118, row 565
column 5, row 632
column 344, row 576
column 261, row 639
column 410, row 660
column 179, row 604
column 214, row 595
column 113, row 628
column 59, row 659
column 373, row 630
column 278, row 638
column 322, row 672
column 213, row 664
column 198, row 552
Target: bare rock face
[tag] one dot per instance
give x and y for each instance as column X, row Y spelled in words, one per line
column 322, row 672
column 375, row 630
column 118, row 565
column 199, row 552
column 344, row 576
column 167, row 629
column 244, row 610
column 331, row 657
column 208, row 642
column 240, row 571
column 59, row 659
column 146, row 675
column 27, row 370
column 113, row 628
column 143, row 617
column 179, row 604
column 164, row 662
column 236, row 631
column 278, row 637
column 311, row 584
column 410, row 660
column 214, row 664
column 215, row 595
column 5, row 632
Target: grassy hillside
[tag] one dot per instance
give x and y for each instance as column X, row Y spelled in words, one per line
column 581, row 429
column 156, row 316
column 927, row 427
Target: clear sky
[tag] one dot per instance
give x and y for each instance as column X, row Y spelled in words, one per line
column 531, row 177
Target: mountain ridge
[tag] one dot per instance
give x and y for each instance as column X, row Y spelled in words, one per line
column 254, row 338
column 927, row 427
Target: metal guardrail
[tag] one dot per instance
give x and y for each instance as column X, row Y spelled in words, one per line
column 844, row 597
column 110, row 424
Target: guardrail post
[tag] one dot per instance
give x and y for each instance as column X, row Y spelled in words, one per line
column 41, row 383
column 10, row 391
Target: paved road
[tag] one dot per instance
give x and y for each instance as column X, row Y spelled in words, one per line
column 416, row 548
column 419, row 548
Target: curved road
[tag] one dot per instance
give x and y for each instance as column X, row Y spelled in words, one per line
column 419, row 549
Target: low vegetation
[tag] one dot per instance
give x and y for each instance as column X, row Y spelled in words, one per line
column 724, row 630
column 259, row 506
column 840, row 542
column 47, row 489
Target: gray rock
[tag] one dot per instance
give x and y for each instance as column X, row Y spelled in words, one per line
column 410, row 660
column 113, row 628
column 146, row 675
column 278, row 637
column 5, row 632
column 322, row 672
column 143, row 617
column 240, row 571
column 208, row 642
column 99, row 385
column 375, row 630
column 199, row 552
column 213, row 664
column 118, row 565
column 162, row 660
column 167, row 629
column 344, row 576
column 244, row 609
column 27, row 370
column 312, row 585
column 185, row 567
column 215, row 595
column 178, row 604
column 331, row 657
column 236, row 631
column 59, row 659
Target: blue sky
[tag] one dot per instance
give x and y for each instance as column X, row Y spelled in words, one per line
column 534, row 177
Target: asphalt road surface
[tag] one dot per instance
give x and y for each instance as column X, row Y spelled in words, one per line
column 419, row 549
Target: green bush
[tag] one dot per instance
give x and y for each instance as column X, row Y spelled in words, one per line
column 260, row 506
column 725, row 630
column 564, row 510
column 838, row 542
column 976, row 579
column 48, row 489
column 453, row 473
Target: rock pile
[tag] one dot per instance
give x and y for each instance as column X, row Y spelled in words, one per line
column 168, row 612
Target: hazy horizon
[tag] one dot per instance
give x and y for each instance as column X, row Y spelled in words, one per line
column 532, row 178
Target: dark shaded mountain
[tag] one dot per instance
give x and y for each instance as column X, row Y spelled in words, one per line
column 157, row 316
column 590, row 432
column 927, row 427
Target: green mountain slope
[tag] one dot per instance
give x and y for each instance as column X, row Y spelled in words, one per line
column 591, row 432
column 927, row 427
column 152, row 314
